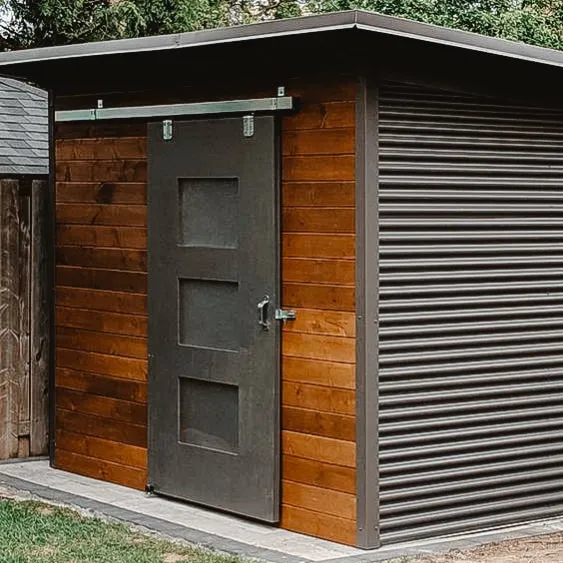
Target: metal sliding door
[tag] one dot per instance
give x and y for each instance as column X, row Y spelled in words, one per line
column 213, row 282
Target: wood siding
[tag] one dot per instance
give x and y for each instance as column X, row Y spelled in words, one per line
column 101, row 307
column 318, row 349
column 101, row 304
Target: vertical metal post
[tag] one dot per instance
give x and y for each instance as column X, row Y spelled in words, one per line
column 367, row 294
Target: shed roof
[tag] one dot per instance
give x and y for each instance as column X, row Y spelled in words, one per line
column 24, row 129
column 352, row 19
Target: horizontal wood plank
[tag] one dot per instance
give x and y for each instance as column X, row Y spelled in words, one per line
column 319, row 142
column 110, row 280
column 105, row 407
column 101, row 214
column 102, row 236
column 112, row 344
column 114, row 430
column 104, row 385
column 331, row 323
column 315, row 168
column 321, row 116
column 101, row 171
column 311, row 245
column 319, row 347
column 330, row 374
column 315, row 296
column 323, row 88
column 319, row 398
column 341, row 272
column 308, row 421
column 318, row 220
column 319, row 474
column 110, row 301
column 125, row 368
column 318, row 524
column 100, row 129
column 318, row 194
column 101, row 449
column 319, row 448
column 316, row 499
column 127, row 476
column 102, row 192
column 102, row 258
column 102, row 321
column 117, row 148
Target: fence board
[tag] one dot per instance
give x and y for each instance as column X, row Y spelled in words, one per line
column 40, row 321
column 14, row 321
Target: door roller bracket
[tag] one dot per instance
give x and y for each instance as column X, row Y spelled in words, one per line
column 284, row 316
column 248, row 125
column 167, row 130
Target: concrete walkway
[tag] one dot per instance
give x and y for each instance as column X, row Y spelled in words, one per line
column 222, row 532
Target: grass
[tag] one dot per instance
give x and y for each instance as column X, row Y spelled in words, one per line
column 36, row 532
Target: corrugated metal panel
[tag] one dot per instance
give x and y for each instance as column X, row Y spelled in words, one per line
column 471, row 313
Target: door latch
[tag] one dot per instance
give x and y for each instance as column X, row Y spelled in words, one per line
column 284, row 316
column 263, row 310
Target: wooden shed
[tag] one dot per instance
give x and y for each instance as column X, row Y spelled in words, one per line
column 24, row 267
column 310, row 272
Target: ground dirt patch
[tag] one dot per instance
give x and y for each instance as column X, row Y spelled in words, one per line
column 539, row 549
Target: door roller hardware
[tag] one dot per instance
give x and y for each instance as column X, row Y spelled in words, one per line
column 284, row 316
column 248, row 125
column 167, row 131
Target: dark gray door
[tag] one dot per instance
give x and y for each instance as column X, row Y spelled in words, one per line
column 213, row 367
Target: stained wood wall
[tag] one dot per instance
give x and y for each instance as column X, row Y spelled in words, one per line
column 101, row 306
column 318, row 275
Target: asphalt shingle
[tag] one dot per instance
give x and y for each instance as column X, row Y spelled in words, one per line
column 24, row 128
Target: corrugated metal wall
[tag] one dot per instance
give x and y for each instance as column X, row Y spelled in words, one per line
column 471, row 313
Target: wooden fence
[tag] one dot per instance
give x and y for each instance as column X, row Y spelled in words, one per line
column 24, row 319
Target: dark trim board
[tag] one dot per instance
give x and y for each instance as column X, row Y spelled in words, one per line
column 50, row 228
column 367, row 273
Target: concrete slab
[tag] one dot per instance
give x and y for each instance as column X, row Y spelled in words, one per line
column 224, row 532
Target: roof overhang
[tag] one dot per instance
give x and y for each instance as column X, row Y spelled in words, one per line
column 354, row 19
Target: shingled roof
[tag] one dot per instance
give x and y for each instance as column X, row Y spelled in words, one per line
column 24, row 129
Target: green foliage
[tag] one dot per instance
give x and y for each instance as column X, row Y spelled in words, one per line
column 41, row 23
column 35, row 23
column 55, row 22
column 539, row 22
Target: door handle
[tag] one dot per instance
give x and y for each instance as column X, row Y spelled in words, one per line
column 263, row 311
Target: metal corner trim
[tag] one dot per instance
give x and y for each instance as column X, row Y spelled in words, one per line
column 367, row 291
